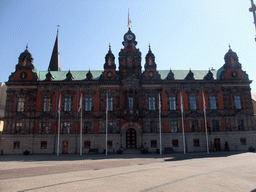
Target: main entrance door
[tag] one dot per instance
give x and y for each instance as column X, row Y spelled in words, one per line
column 131, row 139
column 65, row 147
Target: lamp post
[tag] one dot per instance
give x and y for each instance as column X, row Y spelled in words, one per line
column 252, row 9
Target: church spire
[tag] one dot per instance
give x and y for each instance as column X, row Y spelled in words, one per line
column 55, row 59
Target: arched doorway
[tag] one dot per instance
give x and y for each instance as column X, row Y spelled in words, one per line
column 131, row 139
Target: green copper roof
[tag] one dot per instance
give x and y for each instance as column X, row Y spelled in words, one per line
column 81, row 75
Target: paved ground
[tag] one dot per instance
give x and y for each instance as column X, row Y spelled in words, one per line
column 221, row 171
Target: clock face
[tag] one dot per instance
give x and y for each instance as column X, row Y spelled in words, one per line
column 151, row 74
column 129, row 37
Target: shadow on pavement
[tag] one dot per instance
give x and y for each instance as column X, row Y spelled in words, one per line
column 76, row 157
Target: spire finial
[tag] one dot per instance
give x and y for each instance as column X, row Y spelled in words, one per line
column 129, row 21
column 27, row 46
column 58, row 26
column 109, row 46
column 229, row 46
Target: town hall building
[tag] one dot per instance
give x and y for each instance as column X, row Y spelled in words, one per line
column 142, row 102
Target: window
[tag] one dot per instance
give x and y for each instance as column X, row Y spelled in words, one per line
column 45, row 128
column 67, row 104
column 66, row 128
column 175, row 143
column 43, row 144
column 192, row 103
column 110, row 127
column 21, row 104
column 172, row 103
column 47, row 104
column 213, row 102
column 130, row 102
column 243, row 141
column 153, row 127
column 153, row 143
column 18, row 128
column 151, row 103
column 16, row 144
column 194, row 126
column 174, row 126
column 110, row 104
column 240, row 124
column 88, row 104
column 88, row 127
column 87, row 144
column 215, row 125
column 110, row 144
column 237, row 102
column 196, row 142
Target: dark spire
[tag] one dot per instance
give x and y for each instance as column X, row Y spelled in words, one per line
column 55, row 59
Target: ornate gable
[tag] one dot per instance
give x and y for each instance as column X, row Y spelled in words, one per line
column 24, row 69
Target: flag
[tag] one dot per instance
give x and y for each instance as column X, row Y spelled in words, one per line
column 59, row 104
column 129, row 20
column 107, row 104
column 80, row 103
column 181, row 103
column 204, row 101
column 160, row 106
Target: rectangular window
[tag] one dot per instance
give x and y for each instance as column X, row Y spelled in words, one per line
column 153, row 143
column 110, row 144
column 16, row 144
column 151, row 103
column 87, row 144
column 21, row 104
column 110, row 127
column 174, row 126
column 18, row 128
column 43, row 144
column 192, row 103
column 172, row 103
column 240, row 124
column 213, row 102
column 66, row 128
column 88, row 104
column 88, row 127
column 194, row 126
column 237, row 102
column 243, row 141
column 47, row 104
column 45, row 128
column 196, row 142
column 130, row 102
column 153, row 127
column 110, row 104
column 175, row 143
column 215, row 126
column 67, row 104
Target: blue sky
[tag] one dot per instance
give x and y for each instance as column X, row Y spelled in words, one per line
column 183, row 34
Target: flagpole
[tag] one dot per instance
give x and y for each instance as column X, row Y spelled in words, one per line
column 107, row 125
column 81, row 130
column 58, row 149
column 160, row 128
column 205, row 122
column 182, row 121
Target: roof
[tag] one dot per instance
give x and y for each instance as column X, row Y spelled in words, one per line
column 81, row 75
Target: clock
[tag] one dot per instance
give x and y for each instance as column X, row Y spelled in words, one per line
column 110, row 74
column 234, row 73
column 151, row 74
column 129, row 37
column 23, row 75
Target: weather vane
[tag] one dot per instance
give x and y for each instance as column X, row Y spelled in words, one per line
column 252, row 9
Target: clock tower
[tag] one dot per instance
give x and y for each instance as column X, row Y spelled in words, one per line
column 129, row 57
